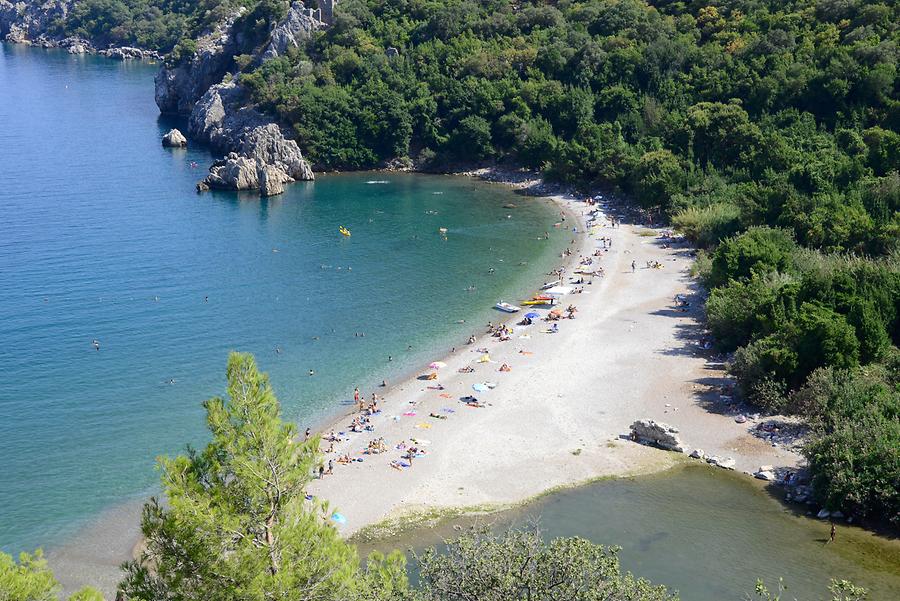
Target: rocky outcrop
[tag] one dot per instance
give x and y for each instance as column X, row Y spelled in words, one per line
column 178, row 88
column 234, row 172
column 297, row 27
column 25, row 22
column 253, row 142
column 657, row 434
column 29, row 22
column 130, row 53
column 174, row 139
column 258, row 155
column 271, row 180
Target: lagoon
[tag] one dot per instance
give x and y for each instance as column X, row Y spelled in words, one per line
column 707, row 533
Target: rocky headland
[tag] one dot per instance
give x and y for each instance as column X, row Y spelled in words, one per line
column 203, row 87
column 258, row 155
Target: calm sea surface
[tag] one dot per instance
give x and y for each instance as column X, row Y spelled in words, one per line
column 103, row 237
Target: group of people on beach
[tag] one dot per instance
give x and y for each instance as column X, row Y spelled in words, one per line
column 365, row 410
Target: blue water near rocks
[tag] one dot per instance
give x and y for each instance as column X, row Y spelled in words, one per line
column 102, row 236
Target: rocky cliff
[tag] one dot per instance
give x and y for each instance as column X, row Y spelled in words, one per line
column 25, row 22
column 30, row 22
column 258, row 155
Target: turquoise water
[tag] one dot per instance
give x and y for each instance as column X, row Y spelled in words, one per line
column 703, row 532
column 103, row 237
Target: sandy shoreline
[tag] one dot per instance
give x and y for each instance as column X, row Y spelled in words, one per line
column 559, row 417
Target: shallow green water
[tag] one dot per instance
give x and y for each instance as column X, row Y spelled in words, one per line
column 706, row 533
column 102, row 236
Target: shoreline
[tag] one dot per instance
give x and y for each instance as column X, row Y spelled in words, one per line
column 625, row 457
column 377, row 496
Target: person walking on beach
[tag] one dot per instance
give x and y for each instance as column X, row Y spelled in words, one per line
column 633, row 267
column 356, row 394
column 308, row 432
column 831, row 536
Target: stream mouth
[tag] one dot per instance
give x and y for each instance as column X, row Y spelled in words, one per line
column 707, row 533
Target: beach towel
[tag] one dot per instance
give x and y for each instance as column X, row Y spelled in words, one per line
column 423, row 426
column 444, row 395
column 410, row 414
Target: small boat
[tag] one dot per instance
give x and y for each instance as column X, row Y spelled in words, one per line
column 507, row 308
column 542, row 301
column 548, row 285
column 344, row 231
column 442, row 230
column 510, row 205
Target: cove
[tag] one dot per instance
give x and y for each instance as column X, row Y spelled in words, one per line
column 102, row 236
column 706, row 533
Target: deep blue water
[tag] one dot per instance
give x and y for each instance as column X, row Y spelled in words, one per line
column 102, row 236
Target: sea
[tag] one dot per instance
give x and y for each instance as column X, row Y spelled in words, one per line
column 104, row 238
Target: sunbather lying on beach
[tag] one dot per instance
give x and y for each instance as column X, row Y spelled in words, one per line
column 436, row 416
column 466, row 370
column 471, row 401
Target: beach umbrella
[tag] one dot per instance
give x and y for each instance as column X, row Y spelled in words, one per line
column 532, row 315
column 337, row 517
column 437, row 365
column 479, row 388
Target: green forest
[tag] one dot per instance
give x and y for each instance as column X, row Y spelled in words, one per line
column 765, row 130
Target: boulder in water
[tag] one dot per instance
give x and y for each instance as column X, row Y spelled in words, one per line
column 174, row 139
column 271, row 180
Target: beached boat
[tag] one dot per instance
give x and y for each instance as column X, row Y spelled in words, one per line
column 507, row 308
column 548, row 285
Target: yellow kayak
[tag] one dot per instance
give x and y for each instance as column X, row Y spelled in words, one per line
column 344, row 231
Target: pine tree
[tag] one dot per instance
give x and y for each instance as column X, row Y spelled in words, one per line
column 238, row 525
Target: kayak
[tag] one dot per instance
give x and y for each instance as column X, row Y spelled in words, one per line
column 344, row 231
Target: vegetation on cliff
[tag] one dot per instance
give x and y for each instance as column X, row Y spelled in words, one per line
column 766, row 130
column 168, row 26
column 768, row 126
